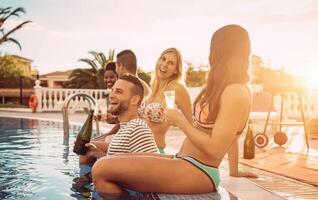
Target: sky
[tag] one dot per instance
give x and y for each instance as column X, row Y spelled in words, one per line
column 283, row 32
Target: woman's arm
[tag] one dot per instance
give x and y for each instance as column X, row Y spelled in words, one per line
column 233, row 155
column 234, row 108
column 183, row 101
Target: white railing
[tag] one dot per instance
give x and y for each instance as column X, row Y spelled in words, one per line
column 52, row 99
column 292, row 104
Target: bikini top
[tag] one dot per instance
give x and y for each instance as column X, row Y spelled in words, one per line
column 152, row 111
column 200, row 117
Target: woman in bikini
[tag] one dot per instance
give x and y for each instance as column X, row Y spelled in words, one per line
column 221, row 112
column 167, row 75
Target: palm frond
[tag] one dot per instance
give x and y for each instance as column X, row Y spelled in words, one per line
column 111, row 54
column 4, row 11
column 97, row 57
column 14, row 41
column 81, row 72
column 90, row 63
column 103, row 60
column 5, row 36
column 15, row 12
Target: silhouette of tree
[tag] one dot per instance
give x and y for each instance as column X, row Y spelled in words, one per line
column 146, row 76
column 10, row 72
column 195, row 76
column 5, row 14
column 97, row 64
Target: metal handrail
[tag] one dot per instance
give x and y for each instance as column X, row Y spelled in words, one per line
column 66, row 125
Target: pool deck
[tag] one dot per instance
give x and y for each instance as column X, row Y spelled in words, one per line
column 243, row 188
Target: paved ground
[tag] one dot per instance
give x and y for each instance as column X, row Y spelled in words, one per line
column 266, row 185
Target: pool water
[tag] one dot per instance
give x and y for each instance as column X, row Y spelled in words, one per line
column 34, row 163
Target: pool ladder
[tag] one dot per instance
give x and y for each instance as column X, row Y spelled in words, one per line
column 65, row 112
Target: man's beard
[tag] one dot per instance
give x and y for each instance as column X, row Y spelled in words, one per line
column 121, row 108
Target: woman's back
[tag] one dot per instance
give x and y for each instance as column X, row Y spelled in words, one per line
column 235, row 103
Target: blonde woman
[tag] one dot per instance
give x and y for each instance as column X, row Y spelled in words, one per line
column 167, row 77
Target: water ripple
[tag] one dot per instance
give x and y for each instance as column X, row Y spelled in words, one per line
column 34, row 162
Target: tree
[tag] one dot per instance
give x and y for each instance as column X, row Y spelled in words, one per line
column 96, row 73
column 6, row 13
column 272, row 80
column 83, row 79
column 145, row 76
column 195, row 76
column 10, row 72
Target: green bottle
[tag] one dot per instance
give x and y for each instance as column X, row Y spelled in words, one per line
column 84, row 135
column 249, row 143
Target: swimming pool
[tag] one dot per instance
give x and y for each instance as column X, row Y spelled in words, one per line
column 34, row 163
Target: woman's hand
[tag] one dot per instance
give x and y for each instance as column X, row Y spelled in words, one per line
column 175, row 117
column 244, row 174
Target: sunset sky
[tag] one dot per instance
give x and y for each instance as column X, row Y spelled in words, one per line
column 283, row 33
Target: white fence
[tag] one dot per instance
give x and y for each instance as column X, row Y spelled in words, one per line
column 292, row 104
column 52, row 99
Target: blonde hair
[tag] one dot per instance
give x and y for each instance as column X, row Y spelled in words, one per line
column 158, row 86
column 229, row 62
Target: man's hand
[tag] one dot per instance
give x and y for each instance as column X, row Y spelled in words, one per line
column 108, row 139
column 94, row 151
column 110, row 119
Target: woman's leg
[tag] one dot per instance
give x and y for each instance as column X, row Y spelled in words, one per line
column 149, row 174
column 146, row 154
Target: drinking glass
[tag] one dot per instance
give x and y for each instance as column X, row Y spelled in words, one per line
column 170, row 98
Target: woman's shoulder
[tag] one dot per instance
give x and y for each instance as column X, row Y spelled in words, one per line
column 178, row 87
column 236, row 87
column 237, row 91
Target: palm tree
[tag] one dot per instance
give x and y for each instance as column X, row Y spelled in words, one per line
column 6, row 13
column 92, row 78
column 83, row 79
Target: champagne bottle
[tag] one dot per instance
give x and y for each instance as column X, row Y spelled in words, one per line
column 84, row 135
column 249, row 144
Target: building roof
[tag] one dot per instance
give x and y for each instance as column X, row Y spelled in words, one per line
column 21, row 58
column 57, row 73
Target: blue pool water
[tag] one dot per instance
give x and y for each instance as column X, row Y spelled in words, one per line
column 34, row 163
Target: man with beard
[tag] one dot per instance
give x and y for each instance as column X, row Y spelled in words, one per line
column 126, row 63
column 133, row 135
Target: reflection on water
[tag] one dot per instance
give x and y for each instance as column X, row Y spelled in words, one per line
column 34, row 162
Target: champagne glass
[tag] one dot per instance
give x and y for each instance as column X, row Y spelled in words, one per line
column 170, row 98
column 104, row 114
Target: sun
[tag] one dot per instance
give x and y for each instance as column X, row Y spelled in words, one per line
column 307, row 78
column 312, row 80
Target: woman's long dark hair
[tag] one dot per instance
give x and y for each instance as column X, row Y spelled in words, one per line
column 229, row 62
